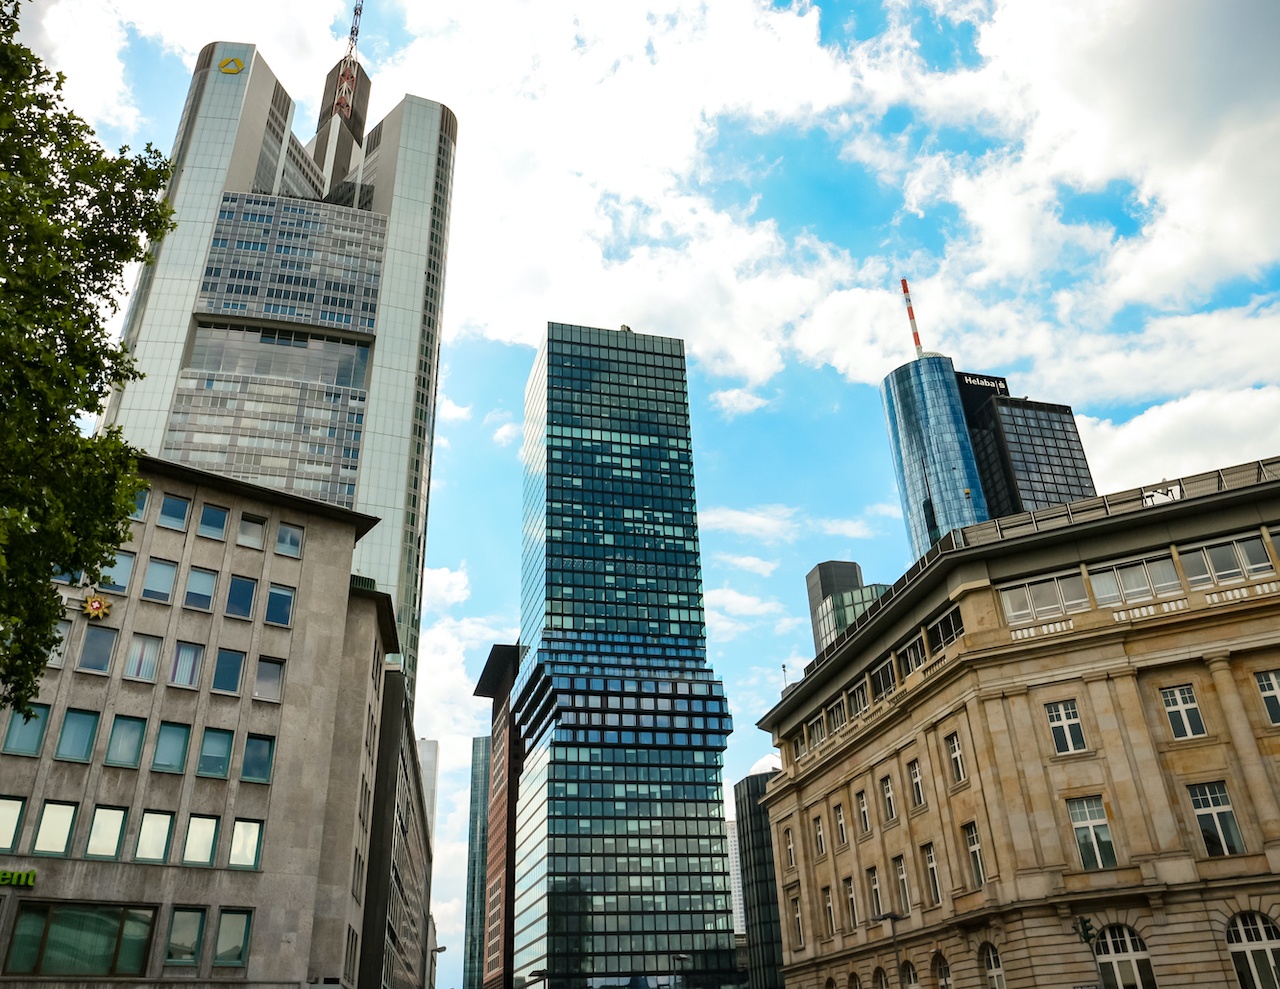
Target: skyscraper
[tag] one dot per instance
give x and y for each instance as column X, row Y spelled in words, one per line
column 620, row 858
column 759, row 878
column 477, row 857
column 288, row 328
column 837, row 596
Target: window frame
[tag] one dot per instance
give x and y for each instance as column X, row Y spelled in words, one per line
column 280, row 529
column 973, row 846
column 904, row 886
column 244, row 535
column 18, row 821
column 1189, row 721
column 186, row 746
column 105, row 577
column 864, row 811
column 18, row 724
column 955, row 758
column 169, row 817
column 1217, row 813
column 819, row 837
column 1065, row 727
column 49, row 912
column 223, row 914
column 260, row 828
column 70, row 832
column 1091, row 829
column 192, row 682
column 212, row 735
column 275, row 593
column 164, row 521
column 197, row 949
column 218, row 664
column 873, row 892
column 81, row 716
column 213, row 841
column 933, row 878
column 917, row 783
column 270, row 741
column 96, row 632
column 842, row 831
column 239, row 581
column 131, row 660
column 121, row 828
column 213, row 591
column 887, row 803
column 157, row 564
column 1269, row 689
column 218, row 532
column 127, row 720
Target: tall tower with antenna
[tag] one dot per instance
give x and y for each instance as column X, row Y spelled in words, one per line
column 929, row 438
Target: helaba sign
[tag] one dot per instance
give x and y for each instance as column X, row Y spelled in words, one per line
column 997, row 384
column 18, row 878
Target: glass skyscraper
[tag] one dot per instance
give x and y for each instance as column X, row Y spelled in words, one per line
column 477, row 857
column 932, row 453
column 621, row 872
column 289, row 327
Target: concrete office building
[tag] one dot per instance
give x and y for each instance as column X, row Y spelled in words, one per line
column 837, row 596
column 1064, row 721
column 477, row 858
column 620, row 864
column 289, row 328
column 759, row 878
column 735, row 877
column 195, row 795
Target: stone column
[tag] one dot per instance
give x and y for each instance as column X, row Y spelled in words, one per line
column 1246, row 746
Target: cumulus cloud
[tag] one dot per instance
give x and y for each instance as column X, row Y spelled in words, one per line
column 768, row 523
column 737, row 603
column 442, row 587
column 506, row 434
column 736, row 401
column 850, row 528
column 752, row 564
column 448, row 410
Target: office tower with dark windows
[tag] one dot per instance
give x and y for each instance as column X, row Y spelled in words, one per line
column 837, row 596
column 621, row 870
column 477, row 856
column 759, row 878
column 1029, row 453
column 932, row 454
column 288, row 330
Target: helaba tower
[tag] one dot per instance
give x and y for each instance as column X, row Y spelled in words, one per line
column 621, row 872
column 289, row 326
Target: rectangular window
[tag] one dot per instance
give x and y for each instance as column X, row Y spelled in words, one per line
column 945, row 631
column 841, row 832
column 59, row 652
column 226, row 670
column 116, row 574
column 858, row 699
column 1269, row 686
column 850, row 906
column 53, row 833
column 186, row 664
column 931, row 874
column 798, row 921
column 1064, row 725
column 252, row 532
column 829, row 910
column 202, row 840
column 95, row 652
column 157, row 585
column 873, row 892
column 269, row 681
column 864, row 815
column 24, row 737
column 956, row 758
column 819, row 840
column 882, row 680
column 246, row 844
column 279, row 605
column 259, row 751
column 817, row 732
column 201, row 585
column 1043, row 599
column 1093, row 833
column 186, row 931
column 1216, row 819
column 143, row 657
column 289, row 540
column 79, row 729
column 835, row 716
column 105, row 833
column 215, row 753
column 912, row 656
column 917, row 783
column 886, row 794
column 904, row 891
column 791, row 848
column 1184, row 714
column 232, row 944
column 10, row 822
column 153, row 836
column 976, row 866
column 171, row 748
column 79, row 940
column 174, row 512
column 140, row 505
column 124, row 747
column 240, row 597
column 1226, row 562
column 213, row 522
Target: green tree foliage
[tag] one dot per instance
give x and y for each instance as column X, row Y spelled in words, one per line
column 71, row 217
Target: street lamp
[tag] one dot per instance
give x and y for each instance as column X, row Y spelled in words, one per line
column 431, row 974
column 681, row 957
column 893, row 919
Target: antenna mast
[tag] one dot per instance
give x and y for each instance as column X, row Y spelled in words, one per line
column 911, row 315
column 345, row 92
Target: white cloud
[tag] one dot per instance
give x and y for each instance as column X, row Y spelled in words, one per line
column 850, row 528
column 442, row 587
column 736, row 401
column 884, row 510
column 739, row 604
column 507, row 433
column 768, row 523
column 752, row 564
column 448, row 410
column 785, row 626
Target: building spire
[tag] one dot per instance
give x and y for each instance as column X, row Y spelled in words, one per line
column 911, row 315
column 344, row 93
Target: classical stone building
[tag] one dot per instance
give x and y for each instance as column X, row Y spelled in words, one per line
column 1056, row 722
column 196, row 793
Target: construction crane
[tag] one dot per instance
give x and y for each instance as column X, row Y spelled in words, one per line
column 344, row 93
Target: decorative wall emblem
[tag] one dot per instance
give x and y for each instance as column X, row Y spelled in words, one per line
column 96, row 606
column 231, row 66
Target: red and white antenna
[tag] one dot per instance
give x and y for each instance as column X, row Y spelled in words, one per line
column 345, row 92
column 911, row 315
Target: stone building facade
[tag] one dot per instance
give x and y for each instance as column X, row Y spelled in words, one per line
column 195, row 793
column 1057, row 723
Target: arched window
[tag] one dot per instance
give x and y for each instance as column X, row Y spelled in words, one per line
column 909, row 978
column 791, row 848
column 1254, row 940
column 1123, row 961
column 854, row 981
column 942, row 973
column 991, row 962
column 880, row 979
column 831, row 984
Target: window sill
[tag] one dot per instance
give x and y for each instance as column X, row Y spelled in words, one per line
column 964, row 784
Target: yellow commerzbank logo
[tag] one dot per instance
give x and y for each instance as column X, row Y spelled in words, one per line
column 231, row 66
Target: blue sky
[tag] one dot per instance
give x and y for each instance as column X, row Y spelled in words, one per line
column 1082, row 196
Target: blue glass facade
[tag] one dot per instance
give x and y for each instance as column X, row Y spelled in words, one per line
column 932, row 453
column 621, row 870
column 477, row 858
